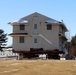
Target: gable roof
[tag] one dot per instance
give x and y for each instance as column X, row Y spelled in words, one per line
column 35, row 14
column 49, row 20
column 22, row 20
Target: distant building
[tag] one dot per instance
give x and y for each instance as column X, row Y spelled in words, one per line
column 8, row 54
column 37, row 31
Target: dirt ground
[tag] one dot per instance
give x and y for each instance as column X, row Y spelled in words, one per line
column 38, row 67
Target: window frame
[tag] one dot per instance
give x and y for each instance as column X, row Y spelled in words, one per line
column 21, row 39
column 49, row 26
column 35, row 40
column 22, row 27
column 35, row 26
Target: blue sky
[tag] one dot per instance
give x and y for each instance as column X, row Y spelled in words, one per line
column 11, row 10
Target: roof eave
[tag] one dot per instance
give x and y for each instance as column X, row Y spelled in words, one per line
column 66, row 30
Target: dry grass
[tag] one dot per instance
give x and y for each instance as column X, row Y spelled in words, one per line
column 38, row 67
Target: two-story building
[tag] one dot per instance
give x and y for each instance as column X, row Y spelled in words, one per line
column 37, row 31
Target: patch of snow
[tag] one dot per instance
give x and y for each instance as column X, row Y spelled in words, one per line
column 19, row 21
column 52, row 21
column 42, row 56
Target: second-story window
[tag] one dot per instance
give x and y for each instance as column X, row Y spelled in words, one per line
column 22, row 27
column 49, row 26
column 35, row 26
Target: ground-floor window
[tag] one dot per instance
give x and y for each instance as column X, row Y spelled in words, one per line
column 35, row 40
column 21, row 39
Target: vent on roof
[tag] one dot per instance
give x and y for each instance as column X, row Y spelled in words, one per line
column 35, row 16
